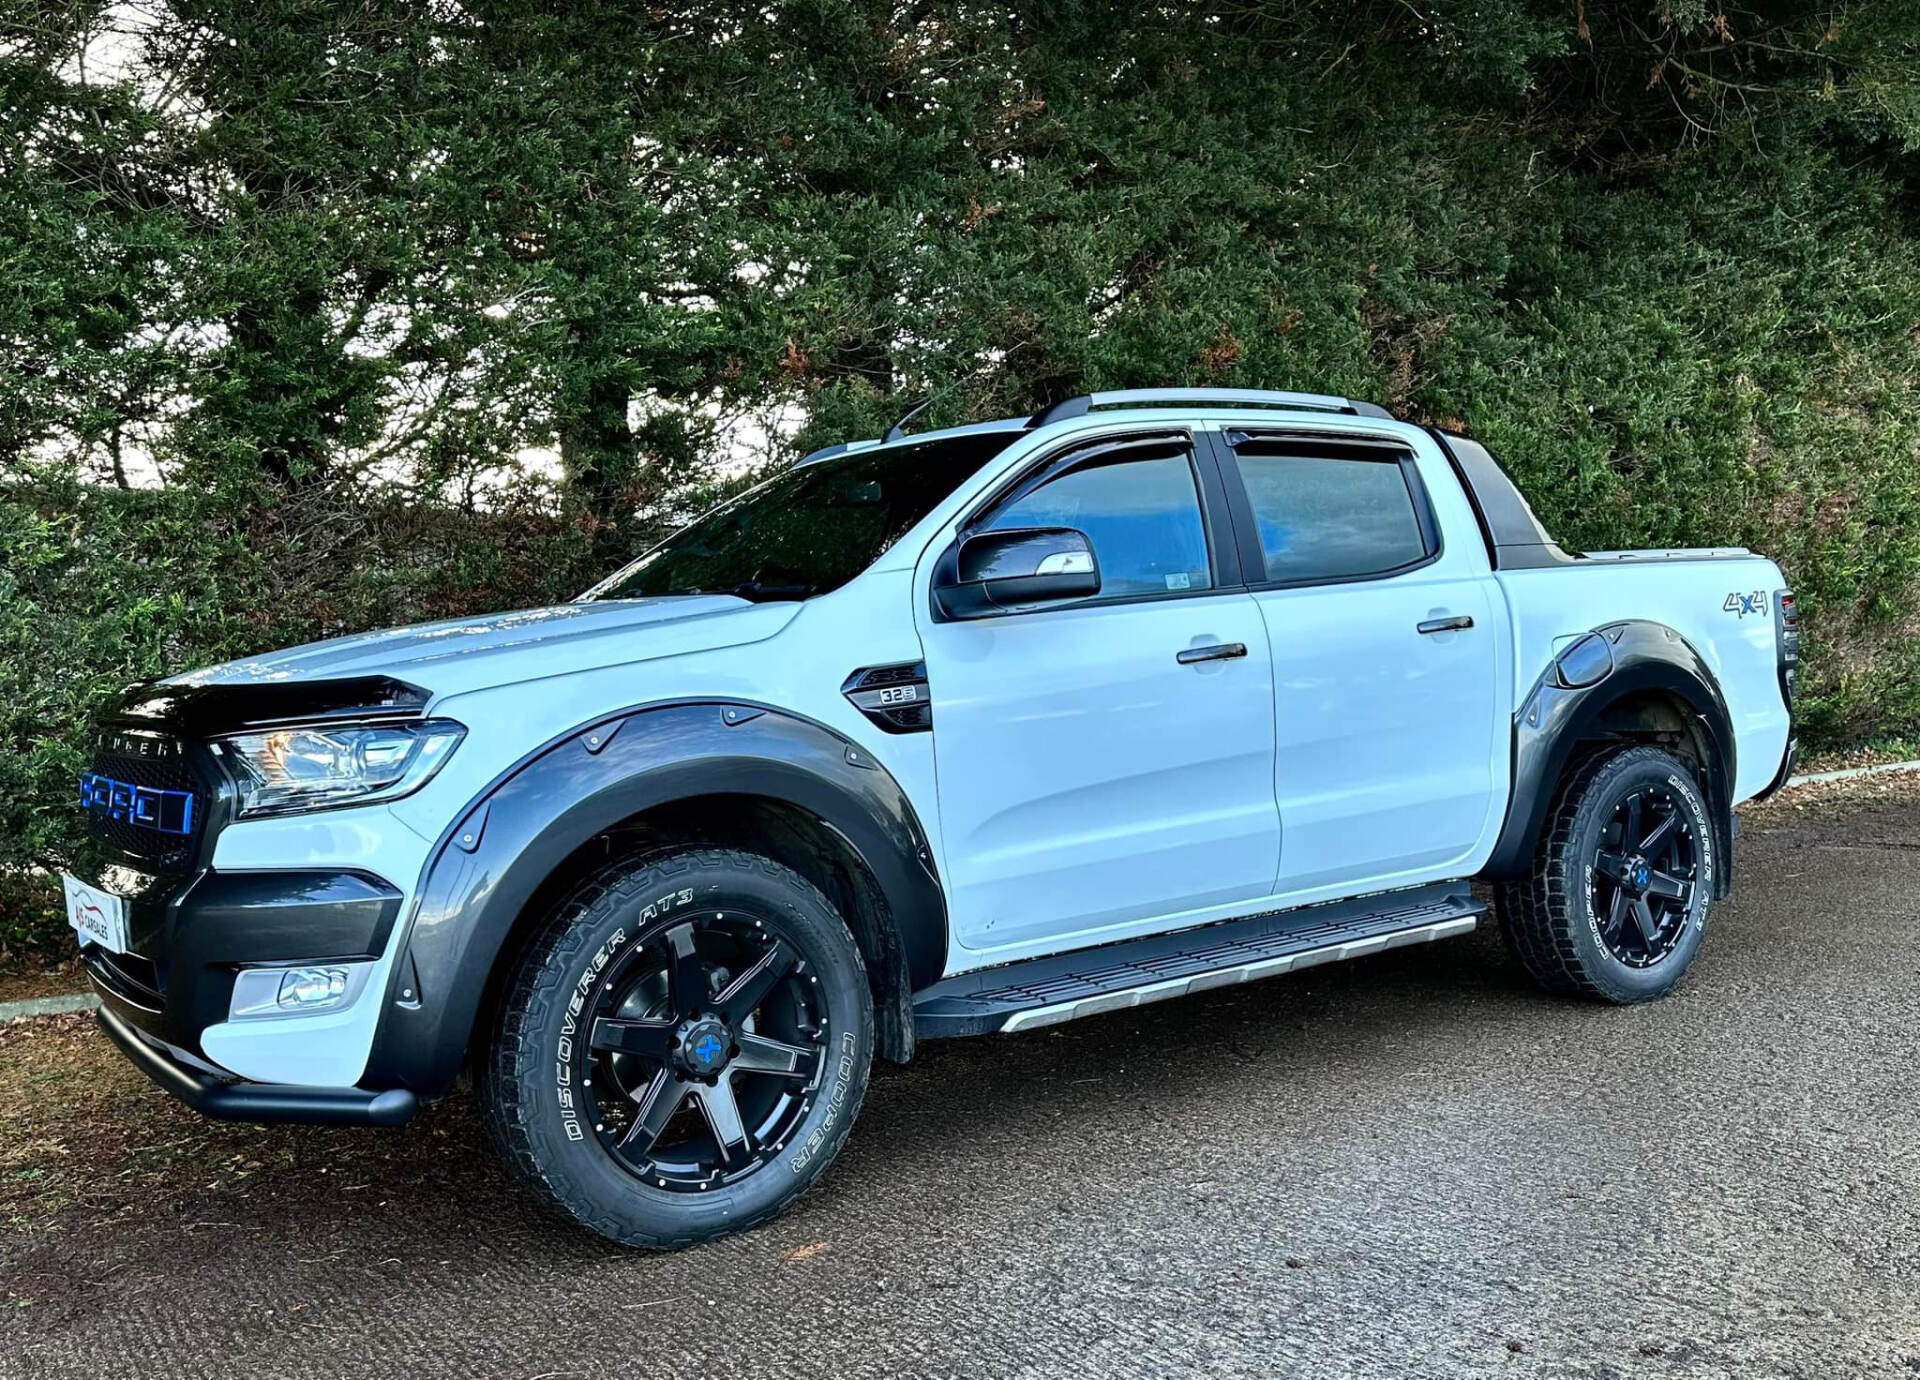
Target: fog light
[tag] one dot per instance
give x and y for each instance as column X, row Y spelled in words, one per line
column 302, row 989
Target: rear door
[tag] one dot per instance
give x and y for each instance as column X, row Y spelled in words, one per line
column 1386, row 661
column 1109, row 761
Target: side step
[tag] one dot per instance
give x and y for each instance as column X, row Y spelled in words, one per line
column 1112, row 977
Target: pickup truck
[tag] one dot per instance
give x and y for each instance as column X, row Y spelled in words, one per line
column 954, row 733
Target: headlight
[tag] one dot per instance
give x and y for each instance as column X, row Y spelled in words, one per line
column 285, row 770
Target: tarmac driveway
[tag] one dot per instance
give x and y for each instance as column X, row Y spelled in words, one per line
column 1407, row 1166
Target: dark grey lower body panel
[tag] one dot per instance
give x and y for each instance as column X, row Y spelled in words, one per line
column 1112, row 977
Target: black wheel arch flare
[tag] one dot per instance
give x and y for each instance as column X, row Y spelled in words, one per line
column 1554, row 719
column 499, row 851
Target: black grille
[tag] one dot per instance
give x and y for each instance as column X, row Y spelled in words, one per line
column 914, row 716
column 167, row 844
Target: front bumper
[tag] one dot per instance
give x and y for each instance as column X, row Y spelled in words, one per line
column 259, row 1102
column 191, row 936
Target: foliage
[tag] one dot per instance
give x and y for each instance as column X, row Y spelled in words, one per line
column 318, row 315
column 101, row 587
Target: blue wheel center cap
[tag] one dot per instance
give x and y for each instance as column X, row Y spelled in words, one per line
column 705, row 1046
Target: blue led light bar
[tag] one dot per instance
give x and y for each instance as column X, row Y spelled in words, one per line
column 169, row 812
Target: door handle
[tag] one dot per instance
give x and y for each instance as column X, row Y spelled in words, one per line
column 1219, row 651
column 1440, row 625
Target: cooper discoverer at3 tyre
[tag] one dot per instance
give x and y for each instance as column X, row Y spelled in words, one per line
column 1616, row 906
column 683, row 1048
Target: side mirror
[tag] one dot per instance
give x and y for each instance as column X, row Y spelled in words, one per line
column 1020, row 566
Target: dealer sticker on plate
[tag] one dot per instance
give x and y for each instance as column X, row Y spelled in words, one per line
column 98, row 917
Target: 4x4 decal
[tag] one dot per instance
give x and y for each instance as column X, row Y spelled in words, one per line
column 1740, row 605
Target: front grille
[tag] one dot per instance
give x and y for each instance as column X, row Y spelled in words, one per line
column 143, row 800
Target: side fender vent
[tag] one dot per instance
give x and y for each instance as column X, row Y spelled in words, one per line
column 896, row 698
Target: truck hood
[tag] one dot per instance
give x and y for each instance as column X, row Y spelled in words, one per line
column 497, row 649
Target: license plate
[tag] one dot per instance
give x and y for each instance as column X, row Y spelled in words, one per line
column 98, row 917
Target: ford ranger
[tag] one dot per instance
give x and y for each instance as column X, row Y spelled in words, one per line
column 955, row 733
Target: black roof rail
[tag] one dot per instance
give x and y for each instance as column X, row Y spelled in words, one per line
column 1204, row 397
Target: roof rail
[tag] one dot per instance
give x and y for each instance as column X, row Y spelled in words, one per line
column 896, row 432
column 1205, row 397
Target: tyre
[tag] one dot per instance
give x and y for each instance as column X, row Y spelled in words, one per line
column 1616, row 905
column 683, row 1048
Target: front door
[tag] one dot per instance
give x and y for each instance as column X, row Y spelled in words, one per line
column 1091, row 775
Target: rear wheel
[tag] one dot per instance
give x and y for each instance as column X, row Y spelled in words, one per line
column 1616, row 906
column 683, row 1049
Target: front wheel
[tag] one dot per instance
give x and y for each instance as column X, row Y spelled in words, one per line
column 1616, row 905
column 683, row 1049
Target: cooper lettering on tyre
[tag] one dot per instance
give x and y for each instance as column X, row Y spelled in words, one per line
column 683, row 1049
column 1616, row 905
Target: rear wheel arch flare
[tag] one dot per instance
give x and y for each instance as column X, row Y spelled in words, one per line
column 1660, row 688
column 692, row 773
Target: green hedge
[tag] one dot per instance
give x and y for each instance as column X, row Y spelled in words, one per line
column 272, row 351
column 100, row 588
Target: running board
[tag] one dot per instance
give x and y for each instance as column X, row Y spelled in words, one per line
column 1113, row 977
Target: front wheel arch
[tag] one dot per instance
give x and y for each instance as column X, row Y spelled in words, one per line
column 774, row 828
column 498, row 858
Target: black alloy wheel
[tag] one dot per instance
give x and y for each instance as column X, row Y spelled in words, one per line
column 1614, row 906
column 703, row 1049
column 682, row 1048
column 1643, row 877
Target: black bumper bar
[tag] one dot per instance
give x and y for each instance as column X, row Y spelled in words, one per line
column 261, row 1102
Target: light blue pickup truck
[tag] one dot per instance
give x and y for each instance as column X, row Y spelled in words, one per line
column 952, row 733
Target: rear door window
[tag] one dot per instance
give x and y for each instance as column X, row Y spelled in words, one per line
column 1324, row 517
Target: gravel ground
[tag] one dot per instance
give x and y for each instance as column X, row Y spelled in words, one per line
column 1408, row 1166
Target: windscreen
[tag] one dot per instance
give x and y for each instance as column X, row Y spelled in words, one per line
column 811, row 529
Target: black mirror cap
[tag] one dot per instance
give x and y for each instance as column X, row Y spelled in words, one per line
column 1023, row 552
column 992, row 571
